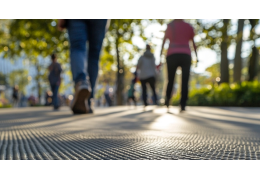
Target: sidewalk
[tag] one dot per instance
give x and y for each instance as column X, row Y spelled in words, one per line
column 128, row 133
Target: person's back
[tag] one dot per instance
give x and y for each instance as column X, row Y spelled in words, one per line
column 147, row 66
column 55, row 72
column 55, row 79
column 179, row 33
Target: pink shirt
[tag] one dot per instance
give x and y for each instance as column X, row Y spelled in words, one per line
column 179, row 33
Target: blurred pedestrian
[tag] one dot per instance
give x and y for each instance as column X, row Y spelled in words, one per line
column 131, row 92
column 107, row 95
column 84, row 62
column 32, row 100
column 55, row 80
column 23, row 100
column 180, row 34
column 146, row 66
column 48, row 98
column 15, row 95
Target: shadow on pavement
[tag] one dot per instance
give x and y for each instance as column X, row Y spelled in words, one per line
column 223, row 124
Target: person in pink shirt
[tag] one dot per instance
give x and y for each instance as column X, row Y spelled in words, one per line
column 179, row 34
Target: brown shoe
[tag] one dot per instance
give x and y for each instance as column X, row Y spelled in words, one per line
column 82, row 93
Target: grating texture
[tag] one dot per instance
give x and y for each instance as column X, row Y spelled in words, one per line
column 130, row 134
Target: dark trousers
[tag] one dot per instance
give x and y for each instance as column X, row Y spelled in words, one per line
column 108, row 100
column 173, row 62
column 151, row 81
column 129, row 98
column 55, row 101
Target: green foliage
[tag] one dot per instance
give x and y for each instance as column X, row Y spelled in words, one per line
column 35, row 39
column 3, row 78
column 211, row 33
column 4, row 35
column 5, row 106
column 118, row 43
column 18, row 77
column 244, row 94
column 118, row 40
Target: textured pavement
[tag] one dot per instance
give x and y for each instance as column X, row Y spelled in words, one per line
column 127, row 133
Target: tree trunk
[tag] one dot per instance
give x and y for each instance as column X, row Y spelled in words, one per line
column 38, row 81
column 252, row 66
column 224, row 70
column 238, row 60
column 120, row 79
column 253, row 61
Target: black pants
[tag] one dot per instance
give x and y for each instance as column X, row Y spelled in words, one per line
column 129, row 98
column 151, row 81
column 173, row 62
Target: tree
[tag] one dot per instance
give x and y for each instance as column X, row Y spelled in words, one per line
column 224, row 64
column 4, row 35
column 215, row 36
column 35, row 40
column 214, row 72
column 18, row 77
column 253, row 60
column 3, row 80
column 118, row 42
column 238, row 60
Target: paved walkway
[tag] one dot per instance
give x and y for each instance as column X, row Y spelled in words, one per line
column 128, row 133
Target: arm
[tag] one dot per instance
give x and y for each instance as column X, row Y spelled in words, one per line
column 193, row 43
column 195, row 49
column 60, row 70
column 164, row 39
column 108, row 24
column 156, row 67
column 138, row 64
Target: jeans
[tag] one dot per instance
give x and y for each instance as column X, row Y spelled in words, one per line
column 173, row 62
column 55, row 101
column 84, row 62
column 151, row 81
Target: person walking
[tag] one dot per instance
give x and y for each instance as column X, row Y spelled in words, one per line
column 84, row 63
column 146, row 66
column 180, row 34
column 131, row 92
column 107, row 95
column 55, row 80
column 15, row 95
column 22, row 100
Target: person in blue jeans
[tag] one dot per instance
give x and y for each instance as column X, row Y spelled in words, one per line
column 55, row 80
column 84, row 59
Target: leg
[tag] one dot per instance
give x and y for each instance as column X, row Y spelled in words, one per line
column 108, row 99
column 78, row 37
column 128, row 101
column 144, row 93
column 96, row 33
column 55, row 89
column 134, row 100
column 186, row 63
column 171, row 68
column 152, row 85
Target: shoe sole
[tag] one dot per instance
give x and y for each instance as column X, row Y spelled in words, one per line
column 79, row 106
